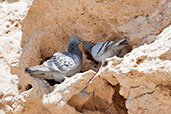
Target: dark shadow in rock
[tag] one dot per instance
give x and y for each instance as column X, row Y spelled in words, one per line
column 52, row 82
column 77, row 101
column 28, row 86
column 119, row 101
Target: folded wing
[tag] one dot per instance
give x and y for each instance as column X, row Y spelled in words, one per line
column 62, row 62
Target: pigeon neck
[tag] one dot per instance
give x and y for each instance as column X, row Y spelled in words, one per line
column 73, row 48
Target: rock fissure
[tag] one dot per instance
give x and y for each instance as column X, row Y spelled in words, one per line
column 137, row 83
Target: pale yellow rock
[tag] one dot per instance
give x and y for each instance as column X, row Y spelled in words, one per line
column 57, row 101
column 11, row 15
column 145, row 75
column 138, row 83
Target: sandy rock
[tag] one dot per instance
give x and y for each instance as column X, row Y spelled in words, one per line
column 11, row 15
column 98, row 20
column 137, row 83
column 145, row 75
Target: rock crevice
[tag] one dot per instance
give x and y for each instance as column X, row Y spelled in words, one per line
column 137, row 82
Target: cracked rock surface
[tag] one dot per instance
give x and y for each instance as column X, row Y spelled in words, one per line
column 137, row 83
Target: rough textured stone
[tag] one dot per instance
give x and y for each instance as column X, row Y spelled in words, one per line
column 98, row 20
column 11, row 15
column 137, row 83
column 144, row 76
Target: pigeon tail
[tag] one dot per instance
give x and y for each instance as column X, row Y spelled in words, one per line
column 121, row 43
column 37, row 68
column 37, row 71
column 42, row 71
column 117, row 48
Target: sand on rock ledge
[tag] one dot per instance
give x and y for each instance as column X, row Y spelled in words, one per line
column 138, row 83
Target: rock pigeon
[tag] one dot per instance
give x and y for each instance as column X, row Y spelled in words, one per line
column 100, row 52
column 103, row 50
column 62, row 64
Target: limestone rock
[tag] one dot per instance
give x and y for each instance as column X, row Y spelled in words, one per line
column 11, row 15
column 144, row 76
column 140, row 82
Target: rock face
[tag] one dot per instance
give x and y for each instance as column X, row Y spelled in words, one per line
column 12, row 12
column 140, row 82
column 144, row 76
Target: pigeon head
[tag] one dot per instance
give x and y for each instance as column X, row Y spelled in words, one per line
column 88, row 45
column 75, row 40
column 73, row 44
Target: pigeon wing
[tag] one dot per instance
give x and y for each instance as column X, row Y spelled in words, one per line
column 62, row 62
column 100, row 48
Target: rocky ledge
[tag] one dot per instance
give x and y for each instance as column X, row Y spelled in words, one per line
column 137, row 82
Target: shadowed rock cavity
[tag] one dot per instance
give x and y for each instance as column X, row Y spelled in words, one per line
column 95, row 103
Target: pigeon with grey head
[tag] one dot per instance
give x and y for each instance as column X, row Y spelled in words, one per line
column 100, row 52
column 103, row 50
column 62, row 64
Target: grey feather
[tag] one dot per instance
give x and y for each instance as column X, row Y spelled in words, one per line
column 103, row 50
column 62, row 64
column 100, row 52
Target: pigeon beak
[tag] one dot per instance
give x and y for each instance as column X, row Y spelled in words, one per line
column 80, row 40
